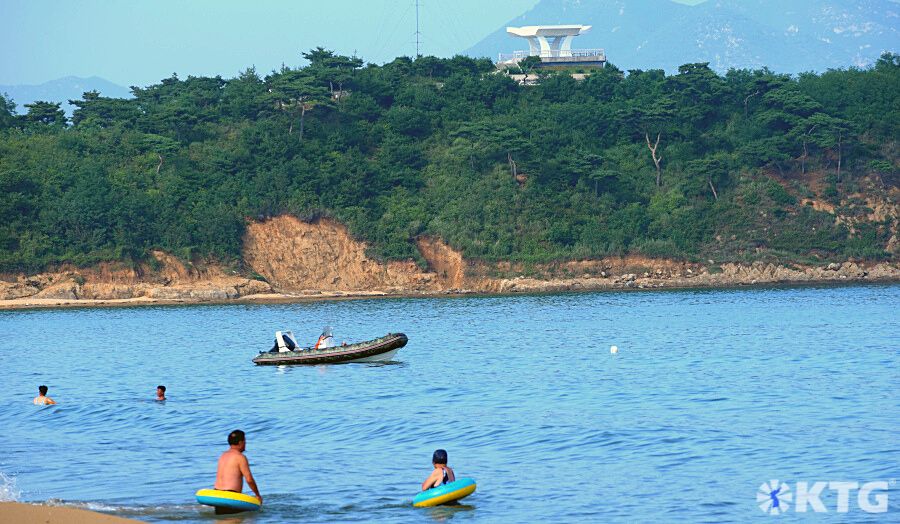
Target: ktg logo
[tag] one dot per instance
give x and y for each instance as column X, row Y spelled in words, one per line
column 776, row 497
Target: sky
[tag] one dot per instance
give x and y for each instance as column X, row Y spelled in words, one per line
column 140, row 42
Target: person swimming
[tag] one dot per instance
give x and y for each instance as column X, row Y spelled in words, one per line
column 42, row 399
column 442, row 473
column 160, row 393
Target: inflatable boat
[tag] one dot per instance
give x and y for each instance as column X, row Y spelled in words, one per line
column 287, row 352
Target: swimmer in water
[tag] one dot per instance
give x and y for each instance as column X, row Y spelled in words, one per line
column 442, row 474
column 234, row 467
column 160, row 392
column 42, row 399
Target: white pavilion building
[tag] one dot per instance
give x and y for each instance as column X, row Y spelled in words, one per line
column 553, row 44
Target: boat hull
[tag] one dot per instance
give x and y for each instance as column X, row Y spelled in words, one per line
column 378, row 350
column 382, row 357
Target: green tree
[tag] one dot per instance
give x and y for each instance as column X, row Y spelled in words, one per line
column 528, row 64
column 160, row 146
column 711, row 171
column 95, row 110
column 295, row 92
column 335, row 70
column 46, row 113
column 245, row 97
column 7, row 112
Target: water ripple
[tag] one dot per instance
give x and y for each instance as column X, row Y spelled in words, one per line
column 711, row 394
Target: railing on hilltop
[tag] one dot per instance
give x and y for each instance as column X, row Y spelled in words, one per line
column 587, row 54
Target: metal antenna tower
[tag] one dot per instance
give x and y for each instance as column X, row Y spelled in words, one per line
column 417, row 30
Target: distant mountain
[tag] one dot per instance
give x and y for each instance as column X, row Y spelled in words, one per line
column 789, row 36
column 62, row 90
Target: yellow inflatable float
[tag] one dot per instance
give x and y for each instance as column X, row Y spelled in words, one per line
column 230, row 500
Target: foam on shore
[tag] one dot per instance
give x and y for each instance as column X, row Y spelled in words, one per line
column 8, row 490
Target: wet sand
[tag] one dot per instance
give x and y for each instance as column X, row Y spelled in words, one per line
column 15, row 512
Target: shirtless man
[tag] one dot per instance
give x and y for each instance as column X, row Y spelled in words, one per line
column 42, row 399
column 234, row 466
column 160, row 393
column 441, row 474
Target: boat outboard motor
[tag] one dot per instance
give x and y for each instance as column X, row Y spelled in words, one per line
column 285, row 341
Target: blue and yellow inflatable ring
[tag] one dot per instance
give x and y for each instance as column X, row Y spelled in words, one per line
column 449, row 492
column 228, row 499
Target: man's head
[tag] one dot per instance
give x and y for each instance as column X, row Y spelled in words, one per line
column 237, row 439
column 161, row 391
column 43, row 390
column 439, row 457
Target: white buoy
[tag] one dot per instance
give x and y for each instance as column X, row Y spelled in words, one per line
column 613, row 350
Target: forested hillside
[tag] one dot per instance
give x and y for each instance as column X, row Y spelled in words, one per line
column 746, row 166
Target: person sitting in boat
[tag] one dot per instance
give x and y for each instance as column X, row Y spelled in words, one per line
column 326, row 339
column 442, row 473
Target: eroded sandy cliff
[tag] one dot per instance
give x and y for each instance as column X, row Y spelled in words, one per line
column 296, row 256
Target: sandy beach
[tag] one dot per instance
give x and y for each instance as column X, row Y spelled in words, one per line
column 18, row 513
column 262, row 298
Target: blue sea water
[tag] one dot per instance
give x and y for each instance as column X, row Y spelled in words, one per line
column 711, row 394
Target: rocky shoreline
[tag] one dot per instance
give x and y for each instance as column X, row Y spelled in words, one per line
column 285, row 259
column 727, row 275
column 87, row 288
